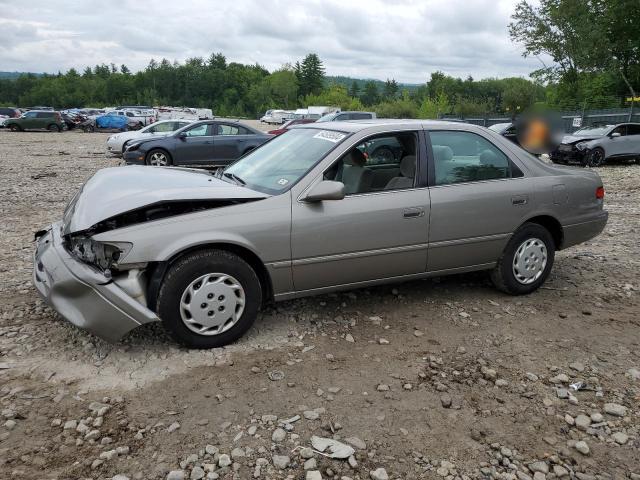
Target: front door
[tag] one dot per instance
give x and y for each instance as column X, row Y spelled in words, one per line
column 478, row 198
column 196, row 147
column 373, row 233
column 229, row 142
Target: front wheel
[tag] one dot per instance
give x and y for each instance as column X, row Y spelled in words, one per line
column 15, row 128
column 89, row 129
column 53, row 128
column 158, row 158
column 526, row 261
column 209, row 299
column 596, row 157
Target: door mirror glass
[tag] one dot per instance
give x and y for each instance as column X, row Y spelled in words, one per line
column 325, row 190
column 182, row 135
column 615, row 135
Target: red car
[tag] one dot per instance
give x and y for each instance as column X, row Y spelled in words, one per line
column 285, row 126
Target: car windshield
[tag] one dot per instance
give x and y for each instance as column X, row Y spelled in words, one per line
column 327, row 118
column 585, row 132
column 281, row 162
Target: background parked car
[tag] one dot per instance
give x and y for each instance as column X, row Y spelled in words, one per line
column 344, row 116
column 10, row 112
column 507, row 130
column 211, row 143
column 595, row 145
column 289, row 124
column 118, row 142
column 37, row 120
column 108, row 121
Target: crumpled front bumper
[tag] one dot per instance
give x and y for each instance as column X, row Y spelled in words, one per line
column 83, row 295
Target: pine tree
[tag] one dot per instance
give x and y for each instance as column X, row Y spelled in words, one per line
column 354, row 90
column 310, row 74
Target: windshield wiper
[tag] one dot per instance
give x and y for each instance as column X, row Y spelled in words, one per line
column 235, row 178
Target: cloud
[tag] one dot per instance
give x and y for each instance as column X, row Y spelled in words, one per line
column 406, row 40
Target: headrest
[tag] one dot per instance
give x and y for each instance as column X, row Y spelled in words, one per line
column 487, row 157
column 442, row 153
column 355, row 158
column 408, row 166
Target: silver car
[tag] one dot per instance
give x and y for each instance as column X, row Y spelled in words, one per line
column 595, row 145
column 309, row 212
column 118, row 142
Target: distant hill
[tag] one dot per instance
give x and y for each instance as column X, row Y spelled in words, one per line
column 347, row 81
column 14, row 75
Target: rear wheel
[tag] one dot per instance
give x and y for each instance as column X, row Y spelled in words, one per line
column 89, row 129
column 53, row 128
column 209, row 299
column 526, row 261
column 158, row 158
column 596, row 157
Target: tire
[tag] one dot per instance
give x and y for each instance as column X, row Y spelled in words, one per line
column 597, row 157
column 89, row 129
column 158, row 158
column 15, row 128
column 124, row 145
column 383, row 155
column 182, row 303
column 534, row 245
column 53, row 128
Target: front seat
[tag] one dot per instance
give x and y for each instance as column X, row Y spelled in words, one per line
column 356, row 177
column 407, row 172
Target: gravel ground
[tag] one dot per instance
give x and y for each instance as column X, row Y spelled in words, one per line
column 442, row 378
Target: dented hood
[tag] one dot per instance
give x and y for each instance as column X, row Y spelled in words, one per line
column 117, row 190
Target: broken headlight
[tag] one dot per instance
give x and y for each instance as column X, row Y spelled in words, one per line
column 99, row 254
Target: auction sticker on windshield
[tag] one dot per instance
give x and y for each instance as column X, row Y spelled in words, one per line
column 334, row 137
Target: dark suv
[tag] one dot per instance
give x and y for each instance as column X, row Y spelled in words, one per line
column 36, row 120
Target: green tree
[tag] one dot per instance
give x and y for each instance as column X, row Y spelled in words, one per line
column 354, row 90
column 390, row 90
column 310, row 74
column 370, row 95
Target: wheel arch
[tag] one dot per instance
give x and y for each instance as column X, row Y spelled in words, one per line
column 159, row 269
column 164, row 149
column 552, row 224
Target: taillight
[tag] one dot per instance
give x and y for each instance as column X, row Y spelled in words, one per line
column 600, row 193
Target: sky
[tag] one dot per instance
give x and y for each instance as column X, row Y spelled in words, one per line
column 402, row 39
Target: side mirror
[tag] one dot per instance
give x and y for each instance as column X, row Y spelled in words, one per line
column 182, row 135
column 615, row 135
column 325, row 190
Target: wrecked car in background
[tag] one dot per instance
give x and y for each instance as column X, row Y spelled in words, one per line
column 118, row 142
column 308, row 213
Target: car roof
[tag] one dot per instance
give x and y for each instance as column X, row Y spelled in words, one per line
column 358, row 125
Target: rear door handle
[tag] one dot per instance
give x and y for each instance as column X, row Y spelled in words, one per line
column 520, row 200
column 413, row 212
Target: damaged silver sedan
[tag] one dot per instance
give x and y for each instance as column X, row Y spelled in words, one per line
column 323, row 207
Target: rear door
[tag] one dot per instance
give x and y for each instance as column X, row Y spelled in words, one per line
column 633, row 139
column 478, row 198
column 196, row 147
column 230, row 142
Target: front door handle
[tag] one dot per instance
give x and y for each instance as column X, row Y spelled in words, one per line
column 414, row 212
column 520, row 200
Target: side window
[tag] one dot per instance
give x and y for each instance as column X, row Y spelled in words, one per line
column 622, row 130
column 228, row 129
column 163, row 127
column 466, row 157
column 633, row 129
column 360, row 116
column 380, row 163
column 43, row 115
column 30, row 115
column 199, row 131
column 342, row 116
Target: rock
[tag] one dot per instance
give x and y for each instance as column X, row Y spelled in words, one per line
column 383, row 387
column 176, row 475
column 633, row 374
column 620, row 438
column 331, row 447
column 560, row 471
column 313, row 475
column 252, row 430
column 173, row 427
column 445, row 400
column 569, row 419
column 120, row 477
column 597, row 417
column 310, row 414
column 539, row 466
column 562, row 393
column 281, row 461
column 310, row 464
column 70, row 425
column 224, row 460
column 582, row 447
column 582, row 422
column 10, row 424
column 306, row 452
column 238, row 453
column 383, row 341
column 539, row 476
column 278, row 435
column 501, row 382
column 349, row 338
column 531, row 377
column 577, row 366
column 197, row 473
column 560, row 378
column 379, row 474
column 356, row 442
column 615, row 409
